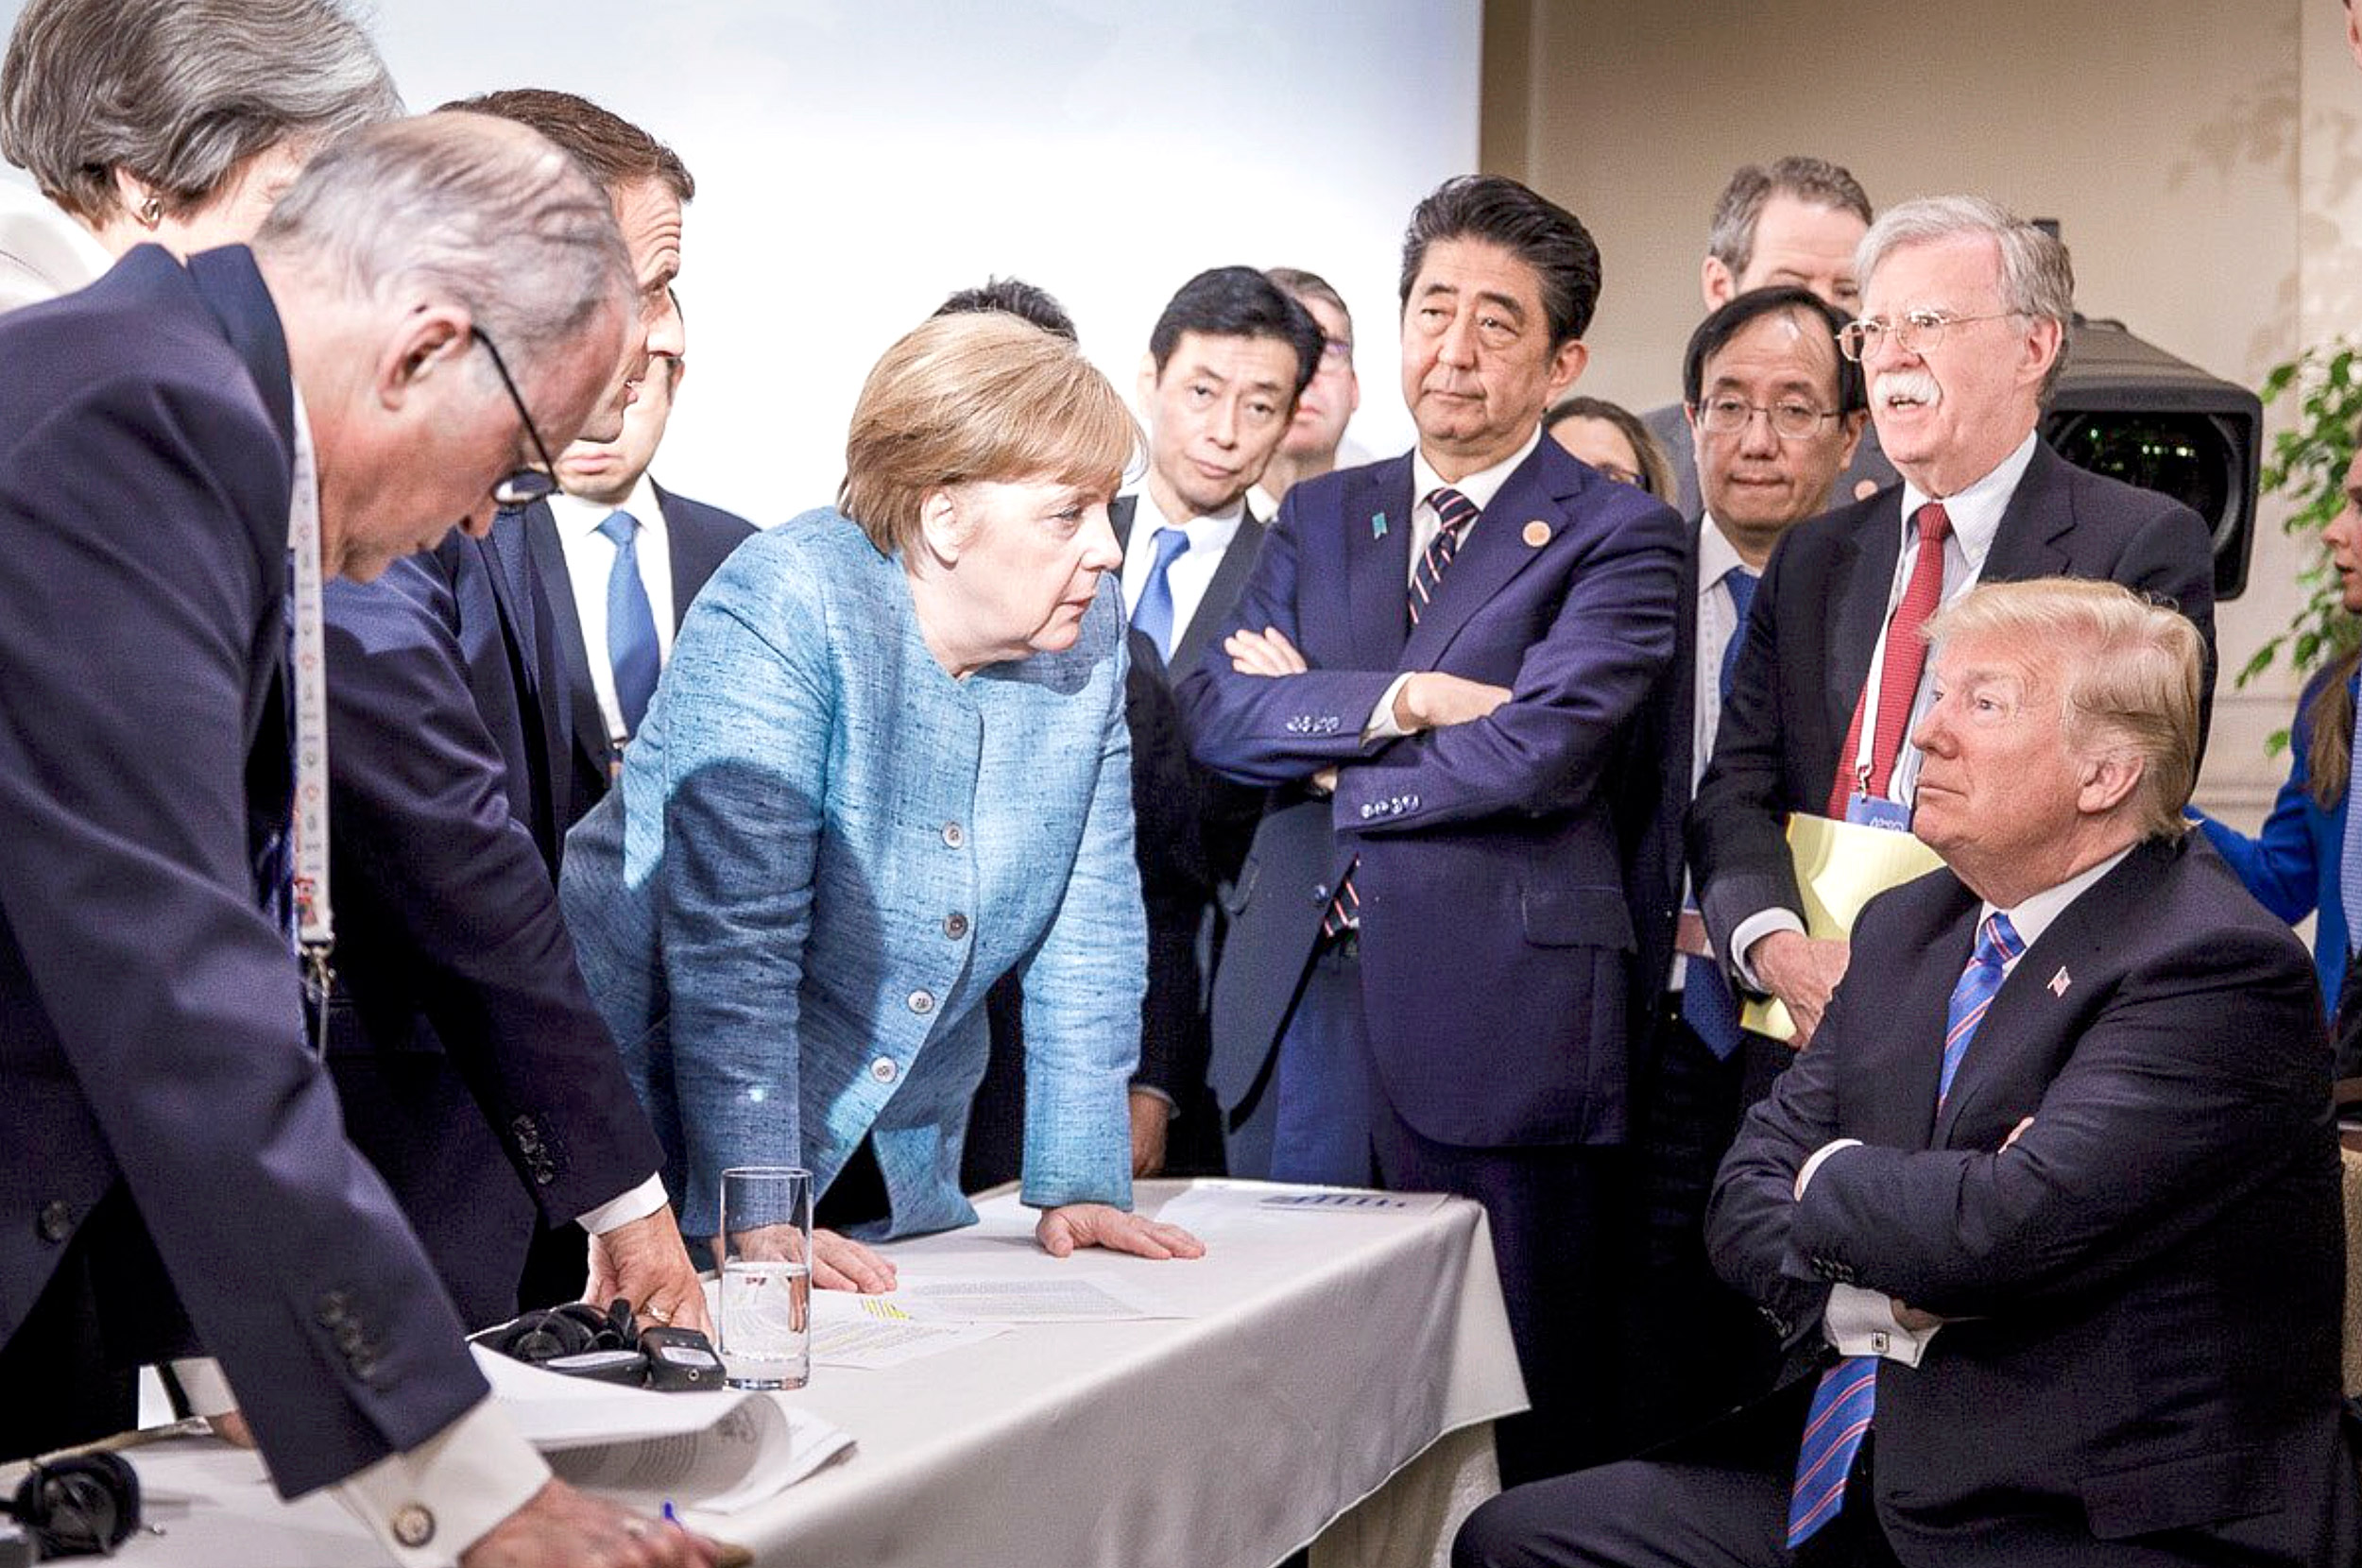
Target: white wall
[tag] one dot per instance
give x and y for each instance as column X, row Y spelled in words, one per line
column 858, row 160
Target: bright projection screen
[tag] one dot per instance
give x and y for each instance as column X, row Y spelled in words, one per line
column 858, row 160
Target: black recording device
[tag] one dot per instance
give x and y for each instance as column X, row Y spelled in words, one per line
column 580, row 1340
column 85, row 1505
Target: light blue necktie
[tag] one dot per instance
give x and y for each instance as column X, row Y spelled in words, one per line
column 1707, row 1006
column 2349, row 851
column 1848, row 1394
column 630, row 625
column 1153, row 616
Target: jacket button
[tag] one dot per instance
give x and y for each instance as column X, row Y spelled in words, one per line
column 954, row 835
column 57, row 1220
column 348, row 1338
column 884, row 1069
column 922, row 1002
column 956, row 925
column 413, row 1524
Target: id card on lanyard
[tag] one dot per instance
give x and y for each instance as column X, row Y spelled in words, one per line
column 316, row 924
column 1862, row 806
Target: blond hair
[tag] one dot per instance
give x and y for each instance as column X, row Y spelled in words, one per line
column 2128, row 677
column 982, row 396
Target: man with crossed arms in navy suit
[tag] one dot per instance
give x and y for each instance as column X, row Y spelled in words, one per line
column 1439, row 661
column 2049, row 1211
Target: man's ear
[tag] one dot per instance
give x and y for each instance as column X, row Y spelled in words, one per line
column 1715, row 284
column 428, row 337
column 2108, row 780
column 1566, row 362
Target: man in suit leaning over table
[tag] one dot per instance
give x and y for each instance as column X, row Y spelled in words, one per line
column 1438, row 665
column 178, row 1174
column 2049, row 1214
column 1966, row 307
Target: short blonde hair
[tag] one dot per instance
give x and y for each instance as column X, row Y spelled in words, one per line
column 2130, row 671
column 983, row 396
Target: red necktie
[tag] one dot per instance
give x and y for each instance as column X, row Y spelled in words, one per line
column 1898, row 673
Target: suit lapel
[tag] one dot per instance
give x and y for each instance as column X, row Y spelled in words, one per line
column 1221, row 594
column 1119, row 518
column 1375, row 522
column 1496, row 550
column 1920, row 1017
column 2030, row 1023
column 1866, row 568
column 2039, row 514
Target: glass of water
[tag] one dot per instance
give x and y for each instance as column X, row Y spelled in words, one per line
column 766, row 1277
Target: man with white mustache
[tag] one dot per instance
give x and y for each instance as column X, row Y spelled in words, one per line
column 1962, row 337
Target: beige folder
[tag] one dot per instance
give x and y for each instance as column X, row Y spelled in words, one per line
column 1839, row 867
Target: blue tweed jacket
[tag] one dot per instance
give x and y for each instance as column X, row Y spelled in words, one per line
column 824, row 852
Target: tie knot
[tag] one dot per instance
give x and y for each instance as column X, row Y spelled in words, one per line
column 620, row 526
column 1934, row 522
column 1742, row 585
column 1454, row 510
column 1169, row 541
column 1997, row 942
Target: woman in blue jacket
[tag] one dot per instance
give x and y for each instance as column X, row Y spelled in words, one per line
column 888, row 764
column 2295, row 865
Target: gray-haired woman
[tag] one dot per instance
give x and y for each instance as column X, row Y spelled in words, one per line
column 171, row 122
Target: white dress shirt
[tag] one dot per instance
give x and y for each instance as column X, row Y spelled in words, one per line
column 1717, row 623
column 590, row 561
column 1191, row 572
column 1976, row 514
column 1479, row 487
column 1861, row 1322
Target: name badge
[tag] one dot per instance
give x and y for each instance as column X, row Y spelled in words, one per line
column 1872, row 812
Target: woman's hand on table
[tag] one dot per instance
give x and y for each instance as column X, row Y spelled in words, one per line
column 1071, row 1225
column 840, row 1263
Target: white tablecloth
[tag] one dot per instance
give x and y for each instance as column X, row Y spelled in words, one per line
column 1324, row 1352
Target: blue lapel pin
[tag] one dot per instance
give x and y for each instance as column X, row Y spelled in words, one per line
column 1377, row 526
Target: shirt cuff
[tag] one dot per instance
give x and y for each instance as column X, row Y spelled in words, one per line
column 1812, row 1166
column 1862, row 1323
column 206, row 1391
column 640, row 1203
column 1382, row 725
column 1754, row 930
column 1171, row 1106
column 429, row 1504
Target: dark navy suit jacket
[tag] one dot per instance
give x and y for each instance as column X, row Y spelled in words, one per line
column 698, row 538
column 476, row 1071
column 2148, row 1279
column 151, row 1028
column 1497, row 937
column 1815, row 624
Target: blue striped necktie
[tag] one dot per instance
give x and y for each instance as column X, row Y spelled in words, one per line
column 1454, row 512
column 2349, row 851
column 1707, row 1006
column 1842, row 1404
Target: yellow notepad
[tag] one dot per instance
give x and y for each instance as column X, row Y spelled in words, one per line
column 1839, row 867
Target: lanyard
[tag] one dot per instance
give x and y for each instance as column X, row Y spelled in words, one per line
column 316, row 924
column 1865, row 753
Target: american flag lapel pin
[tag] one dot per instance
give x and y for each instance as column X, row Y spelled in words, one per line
column 2059, row 983
column 1377, row 526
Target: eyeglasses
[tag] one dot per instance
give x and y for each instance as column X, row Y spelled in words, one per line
column 526, row 486
column 1336, row 354
column 1918, row 331
column 1790, row 421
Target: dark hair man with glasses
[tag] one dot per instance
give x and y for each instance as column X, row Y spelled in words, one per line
column 1315, row 443
column 1777, row 411
column 1963, row 324
column 1793, row 223
column 474, row 1072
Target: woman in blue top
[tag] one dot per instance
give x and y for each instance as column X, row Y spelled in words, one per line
column 2293, row 866
column 887, row 763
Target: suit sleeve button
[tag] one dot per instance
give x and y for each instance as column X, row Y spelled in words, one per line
column 57, row 1220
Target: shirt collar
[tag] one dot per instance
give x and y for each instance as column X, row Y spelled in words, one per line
column 1975, row 510
column 1480, row 486
column 579, row 518
column 1210, row 533
column 1717, row 555
column 2035, row 915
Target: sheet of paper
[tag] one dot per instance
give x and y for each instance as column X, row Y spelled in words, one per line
column 1070, row 1298
column 1217, row 1204
column 1839, row 867
column 870, row 1334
